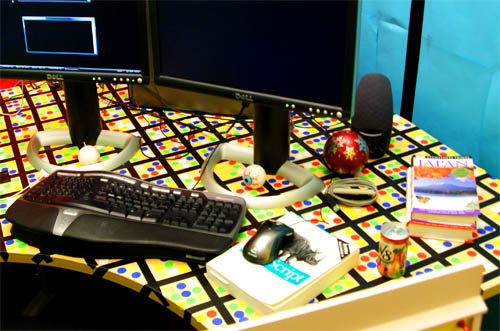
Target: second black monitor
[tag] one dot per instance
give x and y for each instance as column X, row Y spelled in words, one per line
column 282, row 53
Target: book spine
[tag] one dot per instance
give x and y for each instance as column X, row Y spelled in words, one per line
column 441, row 225
column 446, row 212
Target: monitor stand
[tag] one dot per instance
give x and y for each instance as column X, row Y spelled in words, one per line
column 84, row 120
column 271, row 151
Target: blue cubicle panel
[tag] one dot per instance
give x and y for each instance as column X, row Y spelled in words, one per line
column 458, row 77
column 382, row 42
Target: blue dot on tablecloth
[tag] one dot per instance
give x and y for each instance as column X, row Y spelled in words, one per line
column 395, row 195
column 272, row 180
column 292, row 158
column 481, row 231
column 447, row 244
column 419, row 273
column 32, row 180
column 12, row 172
column 136, row 274
column 239, row 314
column 186, row 294
column 428, row 269
column 31, row 175
column 123, row 171
column 402, row 199
column 443, row 148
column 181, row 286
column 411, row 146
column 381, row 166
column 386, row 204
column 5, row 222
column 371, row 265
column 175, row 149
column 156, row 163
column 306, row 132
column 378, row 227
column 15, row 124
column 151, row 169
column 58, row 156
column 307, row 203
column 489, row 228
column 159, row 143
column 489, row 246
column 407, row 263
column 319, row 150
column 9, row 242
column 3, row 205
column 285, row 182
column 294, row 151
column 217, row 321
column 399, row 138
column 121, row 270
column 402, row 173
column 243, row 319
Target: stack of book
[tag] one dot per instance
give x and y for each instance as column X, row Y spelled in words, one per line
column 441, row 198
column 285, row 282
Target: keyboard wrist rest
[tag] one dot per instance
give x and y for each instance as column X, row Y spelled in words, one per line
column 98, row 228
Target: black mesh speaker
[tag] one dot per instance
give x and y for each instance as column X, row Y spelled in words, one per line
column 373, row 113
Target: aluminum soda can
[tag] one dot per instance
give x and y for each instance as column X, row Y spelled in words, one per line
column 392, row 249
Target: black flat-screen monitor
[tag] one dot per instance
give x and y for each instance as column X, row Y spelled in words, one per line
column 276, row 56
column 78, row 42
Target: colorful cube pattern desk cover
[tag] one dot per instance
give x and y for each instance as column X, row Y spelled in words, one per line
column 173, row 149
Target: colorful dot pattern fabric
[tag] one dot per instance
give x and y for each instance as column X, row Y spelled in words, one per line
column 174, row 147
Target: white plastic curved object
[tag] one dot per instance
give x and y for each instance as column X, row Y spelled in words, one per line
column 307, row 183
column 128, row 143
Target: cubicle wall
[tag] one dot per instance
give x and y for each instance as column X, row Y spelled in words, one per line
column 458, row 76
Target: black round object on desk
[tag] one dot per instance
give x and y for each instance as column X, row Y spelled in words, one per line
column 373, row 113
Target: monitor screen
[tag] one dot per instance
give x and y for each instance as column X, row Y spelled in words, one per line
column 274, row 55
column 79, row 42
column 279, row 52
column 73, row 39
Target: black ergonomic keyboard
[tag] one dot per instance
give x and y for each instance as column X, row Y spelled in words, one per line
column 102, row 214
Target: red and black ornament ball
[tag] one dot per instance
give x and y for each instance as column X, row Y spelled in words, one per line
column 345, row 152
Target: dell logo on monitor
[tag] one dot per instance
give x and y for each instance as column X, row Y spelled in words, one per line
column 243, row 97
column 54, row 77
